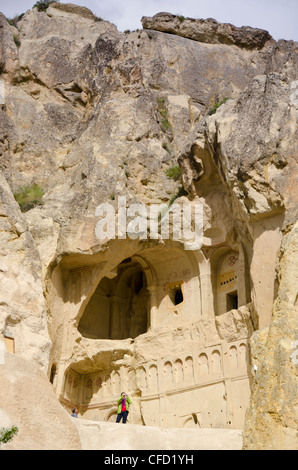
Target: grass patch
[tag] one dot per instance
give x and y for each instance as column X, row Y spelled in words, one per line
column 29, row 196
column 16, row 40
column 216, row 106
column 174, row 172
column 163, row 111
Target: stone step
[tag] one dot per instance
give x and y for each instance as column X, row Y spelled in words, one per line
column 97, row 435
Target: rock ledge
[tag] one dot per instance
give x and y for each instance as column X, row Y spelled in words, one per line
column 208, row 31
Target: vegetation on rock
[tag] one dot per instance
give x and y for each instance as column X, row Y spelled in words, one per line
column 162, row 109
column 174, row 173
column 29, row 196
column 42, row 5
column 216, row 105
column 6, row 434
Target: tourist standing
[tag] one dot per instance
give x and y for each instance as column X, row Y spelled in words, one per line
column 123, row 408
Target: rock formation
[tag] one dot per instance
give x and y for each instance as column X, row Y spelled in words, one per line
column 208, row 31
column 183, row 113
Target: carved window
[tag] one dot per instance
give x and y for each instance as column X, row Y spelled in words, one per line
column 232, row 300
column 175, row 294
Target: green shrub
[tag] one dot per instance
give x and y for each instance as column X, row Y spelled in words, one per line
column 7, row 433
column 216, row 106
column 16, row 40
column 165, row 125
column 28, row 197
column 174, row 173
column 162, row 109
column 42, row 5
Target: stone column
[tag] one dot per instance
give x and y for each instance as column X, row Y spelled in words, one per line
column 60, row 378
column 153, row 290
column 263, row 264
column 207, row 290
column 228, row 385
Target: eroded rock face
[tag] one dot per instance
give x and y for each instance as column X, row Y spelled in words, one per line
column 30, row 404
column 209, row 31
column 74, row 9
column 260, row 145
column 23, row 309
column 271, row 421
column 8, row 48
column 90, row 115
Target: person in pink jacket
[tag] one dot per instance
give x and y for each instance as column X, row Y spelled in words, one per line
column 123, row 408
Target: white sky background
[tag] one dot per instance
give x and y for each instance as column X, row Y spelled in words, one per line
column 279, row 17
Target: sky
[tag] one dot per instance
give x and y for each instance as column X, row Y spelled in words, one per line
column 279, row 17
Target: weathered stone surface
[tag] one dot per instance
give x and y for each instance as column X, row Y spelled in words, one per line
column 91, row 114
column 22, row 304
column 271, row 421
column 8, row 48
column 235, row 324
column 111, row 436
column 74, row 9
column 63, row 96
column 209, row 31
column 29, row 403
column 266, row 144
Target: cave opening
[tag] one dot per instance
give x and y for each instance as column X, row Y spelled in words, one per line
column 118, row 308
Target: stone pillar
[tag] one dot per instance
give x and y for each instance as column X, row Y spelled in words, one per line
column 153, row 290
column 207, row 290
column 60, row 377
column 263, row 264
column 228, row 386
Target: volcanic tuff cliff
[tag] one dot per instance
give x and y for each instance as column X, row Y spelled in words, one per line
column 91, row 114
